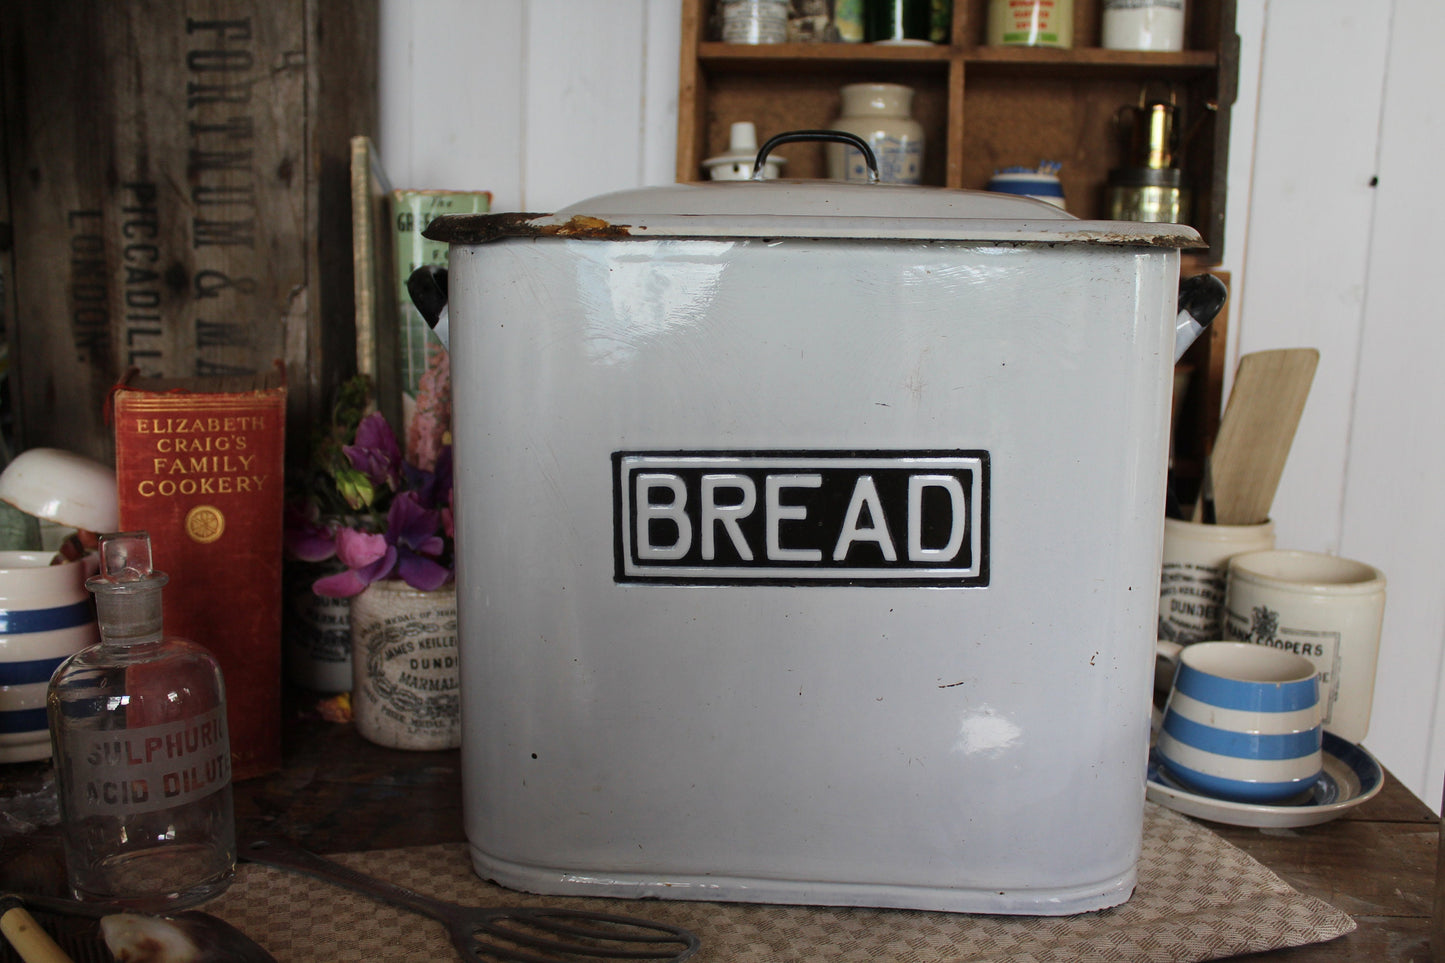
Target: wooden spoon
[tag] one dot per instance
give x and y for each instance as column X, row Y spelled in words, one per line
column 1255, row 434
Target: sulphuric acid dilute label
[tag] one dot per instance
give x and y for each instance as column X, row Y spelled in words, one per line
column 149, row 768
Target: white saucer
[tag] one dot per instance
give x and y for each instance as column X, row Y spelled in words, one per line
column 1351, row 775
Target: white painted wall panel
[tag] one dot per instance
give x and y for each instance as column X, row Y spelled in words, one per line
column 451, row 77
column 583, row 120
column 659, row 107
column 1394, row 513
column 1308, row 246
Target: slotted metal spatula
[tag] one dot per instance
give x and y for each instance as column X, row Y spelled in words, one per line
column 503, row 934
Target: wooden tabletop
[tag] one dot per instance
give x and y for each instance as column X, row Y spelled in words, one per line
column 340, row 793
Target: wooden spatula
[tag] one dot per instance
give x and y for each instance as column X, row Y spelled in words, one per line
column 1255, row 434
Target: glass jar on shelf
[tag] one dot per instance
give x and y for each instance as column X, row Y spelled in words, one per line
column 142, row 757
column 1031, row 23
column 752, row 21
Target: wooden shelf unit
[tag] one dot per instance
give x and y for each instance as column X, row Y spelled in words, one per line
column 982, row 107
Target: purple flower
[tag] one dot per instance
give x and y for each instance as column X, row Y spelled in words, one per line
column 367, row 557
column 375, row 452
column 411, row 530
column 433, row 488
column 377, row 514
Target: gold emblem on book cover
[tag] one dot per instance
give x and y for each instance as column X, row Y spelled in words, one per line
column 205, row 523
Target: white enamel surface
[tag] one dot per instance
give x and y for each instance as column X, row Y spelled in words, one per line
column 977, row 749
column 880, row 203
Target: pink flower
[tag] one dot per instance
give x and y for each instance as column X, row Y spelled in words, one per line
column 367, row 557
column 306, row 538
column 431, row 425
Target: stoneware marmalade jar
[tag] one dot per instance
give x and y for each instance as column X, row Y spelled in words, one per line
column 406, row 684
column 881, row 115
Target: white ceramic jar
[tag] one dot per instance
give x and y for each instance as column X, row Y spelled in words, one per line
column 1194, row 574
column 737, row 163
column 1143, row 25
column 881, row 114
column 406, row 692
column 1328, row 609
column 318, row 643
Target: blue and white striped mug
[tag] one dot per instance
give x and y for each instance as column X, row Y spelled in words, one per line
column 46, row 614
column 1242, row 722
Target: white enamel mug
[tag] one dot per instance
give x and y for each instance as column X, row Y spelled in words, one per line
column 1242, row 722
column 46, row 614
column 1326, row 608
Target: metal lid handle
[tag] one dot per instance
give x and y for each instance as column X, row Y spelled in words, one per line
column 835, row 136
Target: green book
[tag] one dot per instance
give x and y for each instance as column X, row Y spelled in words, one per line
column 411, row 212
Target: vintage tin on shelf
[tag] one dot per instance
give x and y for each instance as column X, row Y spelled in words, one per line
column 809, row 543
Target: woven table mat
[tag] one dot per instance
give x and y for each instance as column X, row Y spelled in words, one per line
column 1198, row 898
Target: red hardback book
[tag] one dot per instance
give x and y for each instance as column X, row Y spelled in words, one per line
column 200, row 466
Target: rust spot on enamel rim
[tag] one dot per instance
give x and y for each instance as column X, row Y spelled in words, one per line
column 1124, row 239
column 480, row 228
column 816, row 210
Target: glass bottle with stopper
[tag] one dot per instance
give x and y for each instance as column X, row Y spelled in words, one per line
column 142, row 758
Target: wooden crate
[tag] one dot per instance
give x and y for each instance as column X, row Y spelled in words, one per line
column 176, row 194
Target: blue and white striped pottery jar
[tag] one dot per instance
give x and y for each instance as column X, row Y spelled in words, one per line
column 46, row 614
column 1242, row 723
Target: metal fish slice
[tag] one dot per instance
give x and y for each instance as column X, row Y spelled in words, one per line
column 517, row 934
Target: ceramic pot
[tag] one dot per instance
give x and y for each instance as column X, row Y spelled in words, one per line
column 405, row 680
column 1031, row 23
column 45, row 615
column 881, row 115
column 318, row 640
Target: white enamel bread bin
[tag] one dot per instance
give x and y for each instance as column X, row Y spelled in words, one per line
column 809, row 543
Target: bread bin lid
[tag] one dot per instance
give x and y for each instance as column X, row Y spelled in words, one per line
column 811, row 209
